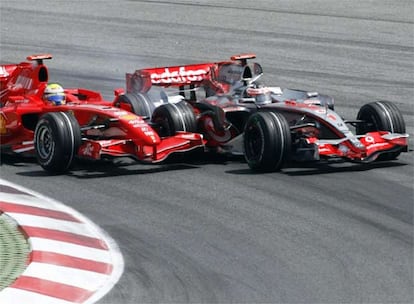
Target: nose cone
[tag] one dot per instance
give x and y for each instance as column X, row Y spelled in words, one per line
column 139, row 130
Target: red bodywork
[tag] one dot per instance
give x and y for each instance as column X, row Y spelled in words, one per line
column 107, row 131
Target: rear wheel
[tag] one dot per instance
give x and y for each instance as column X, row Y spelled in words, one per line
column 381, row 116
column 137, row 103
column 267, row 141
column 170, row 118
column 57, row 139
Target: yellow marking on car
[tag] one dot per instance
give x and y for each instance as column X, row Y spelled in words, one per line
column 3, row 129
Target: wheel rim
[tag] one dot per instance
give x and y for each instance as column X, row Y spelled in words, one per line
column 45, row 143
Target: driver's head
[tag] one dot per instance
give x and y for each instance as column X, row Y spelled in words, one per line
column 54, row 94
column 261, row 94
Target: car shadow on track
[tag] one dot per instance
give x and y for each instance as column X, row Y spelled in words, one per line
column 93, row 169
column 318, row 168
column 126, row 166
column 83, row 169
column 17, row 160
column 121, row 167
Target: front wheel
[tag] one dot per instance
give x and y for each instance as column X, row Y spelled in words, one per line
column 57, row 139
column 137, row 103
column 267, row 141
column 381, row 116
column 170, row 118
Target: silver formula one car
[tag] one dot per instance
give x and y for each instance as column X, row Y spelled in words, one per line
column 269, row 125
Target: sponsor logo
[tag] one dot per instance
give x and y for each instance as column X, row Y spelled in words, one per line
column 87, row 150
column 312, row 102
column 332, row 117
column 369, row 139
column 24, row 82
column 182, row 75
column 120, row 113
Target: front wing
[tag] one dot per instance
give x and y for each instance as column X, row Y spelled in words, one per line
column 365, row 148
column 181, row 142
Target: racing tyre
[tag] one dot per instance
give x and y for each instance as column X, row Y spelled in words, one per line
column 267, row 141
column 57, row 139
column 381, row 116
column 170, row 118
column 137, row 103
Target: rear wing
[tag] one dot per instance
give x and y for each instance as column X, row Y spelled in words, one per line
column 193, row 74
column 7, row 70
column 17, row 79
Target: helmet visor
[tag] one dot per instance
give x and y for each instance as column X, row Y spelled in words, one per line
column 56, row 99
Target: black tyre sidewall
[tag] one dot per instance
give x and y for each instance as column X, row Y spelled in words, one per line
column 267, row 141
column 383, row 115
column 188, row 117
column 173, row 118
column 65, row 133
column 140, row 103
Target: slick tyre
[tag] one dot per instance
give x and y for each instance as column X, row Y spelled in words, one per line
column 171, row 118
column 137, row 103
column 57, row 140
column 267, row 141
column 381, row 116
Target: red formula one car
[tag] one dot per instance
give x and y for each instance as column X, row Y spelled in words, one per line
column 271, row 126
column 85, row 125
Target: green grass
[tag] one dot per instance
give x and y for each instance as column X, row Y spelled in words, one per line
column 14, row 251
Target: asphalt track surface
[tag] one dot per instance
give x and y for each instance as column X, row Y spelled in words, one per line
column 205, row 229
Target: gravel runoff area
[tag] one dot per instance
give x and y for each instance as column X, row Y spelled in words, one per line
column 14, row 251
